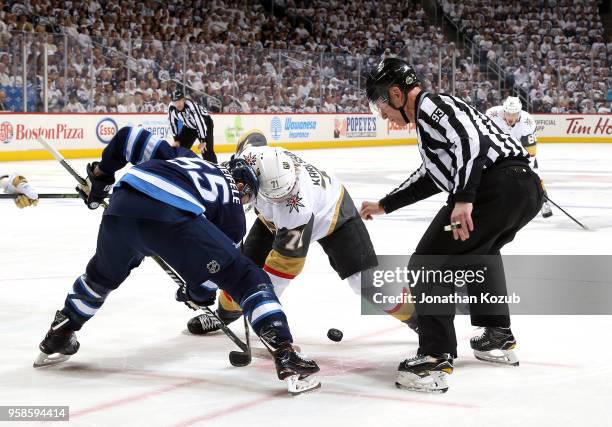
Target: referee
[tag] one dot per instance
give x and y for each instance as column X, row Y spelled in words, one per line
column 190, row 121
column 492, row 193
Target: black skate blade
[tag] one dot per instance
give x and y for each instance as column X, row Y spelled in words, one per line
column 300, row 384
column 434, row 383
column 507, row 358
column 43, row 360
column 187, row 332
column 421, row 390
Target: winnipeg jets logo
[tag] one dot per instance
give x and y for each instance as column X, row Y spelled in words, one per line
column 294, row 202
column 213, row 266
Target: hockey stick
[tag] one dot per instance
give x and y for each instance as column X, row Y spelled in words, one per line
column 237, row 358
column 58, row 156
column 44, row 196
column 570, row 217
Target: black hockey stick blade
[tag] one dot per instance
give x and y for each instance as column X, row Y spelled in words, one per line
column 242, row 358
column 568, row 215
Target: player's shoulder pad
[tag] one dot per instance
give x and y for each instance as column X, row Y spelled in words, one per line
column 493, row 111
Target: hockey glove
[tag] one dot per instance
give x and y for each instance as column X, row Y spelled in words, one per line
column 17, row 184
column 183, row 295
column 96, row 187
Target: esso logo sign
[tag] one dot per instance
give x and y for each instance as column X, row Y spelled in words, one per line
column 106, row 129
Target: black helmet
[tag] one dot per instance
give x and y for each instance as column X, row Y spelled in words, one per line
column 178, row 94
column 254, row 138
column 243, row 172
column 390, row 71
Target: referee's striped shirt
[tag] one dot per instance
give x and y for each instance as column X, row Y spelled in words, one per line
column 192, row 117
column 456, row 143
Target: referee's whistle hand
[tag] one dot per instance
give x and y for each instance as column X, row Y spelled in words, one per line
column 462, row 214
column 370, row 208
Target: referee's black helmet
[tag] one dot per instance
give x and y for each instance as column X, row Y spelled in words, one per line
column 178, row 94
column 390, row 71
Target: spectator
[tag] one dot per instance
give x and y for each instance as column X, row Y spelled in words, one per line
column 3, row 104
column 74, row 106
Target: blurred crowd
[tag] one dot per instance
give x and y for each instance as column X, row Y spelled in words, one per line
column 553, row 51
column 286, row 55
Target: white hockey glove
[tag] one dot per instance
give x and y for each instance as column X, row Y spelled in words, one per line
column 17, row 184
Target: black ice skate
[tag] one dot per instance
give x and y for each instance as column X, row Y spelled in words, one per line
column 59, row 344
column 291, row 366
column 425, row 373
column 203, row 324
column 495, row 345
column 295, row 369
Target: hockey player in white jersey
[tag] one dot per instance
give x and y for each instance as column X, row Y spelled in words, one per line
column 298, row 204
column 513, row 120
column 15, row 183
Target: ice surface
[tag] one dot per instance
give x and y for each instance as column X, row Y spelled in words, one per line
column 137, row 367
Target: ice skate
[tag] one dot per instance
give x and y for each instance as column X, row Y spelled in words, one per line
column 59, row 344
column 425, row 373
column 295, row 369
column 495, row 345
column 203, row 324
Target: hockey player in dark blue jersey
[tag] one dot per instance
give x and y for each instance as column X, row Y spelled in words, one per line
column 188, row 212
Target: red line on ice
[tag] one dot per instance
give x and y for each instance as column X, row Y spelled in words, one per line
column 134, row 398
column 375, row 333
column 400, row 399
column 551, row 364
column 234, row 409
column 231, row 410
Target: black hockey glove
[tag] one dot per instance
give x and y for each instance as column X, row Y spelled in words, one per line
column 183, row 295
column 96, row 188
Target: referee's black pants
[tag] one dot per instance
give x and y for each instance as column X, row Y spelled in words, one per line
column 188, row 136
column 509, row 196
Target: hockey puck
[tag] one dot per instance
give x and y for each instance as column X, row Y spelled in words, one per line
column 335, row 334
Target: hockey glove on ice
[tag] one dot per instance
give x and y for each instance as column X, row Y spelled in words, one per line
column 96, row 188
column 17, row 184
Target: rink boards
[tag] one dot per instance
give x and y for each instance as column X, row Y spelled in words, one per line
column 86, row 134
